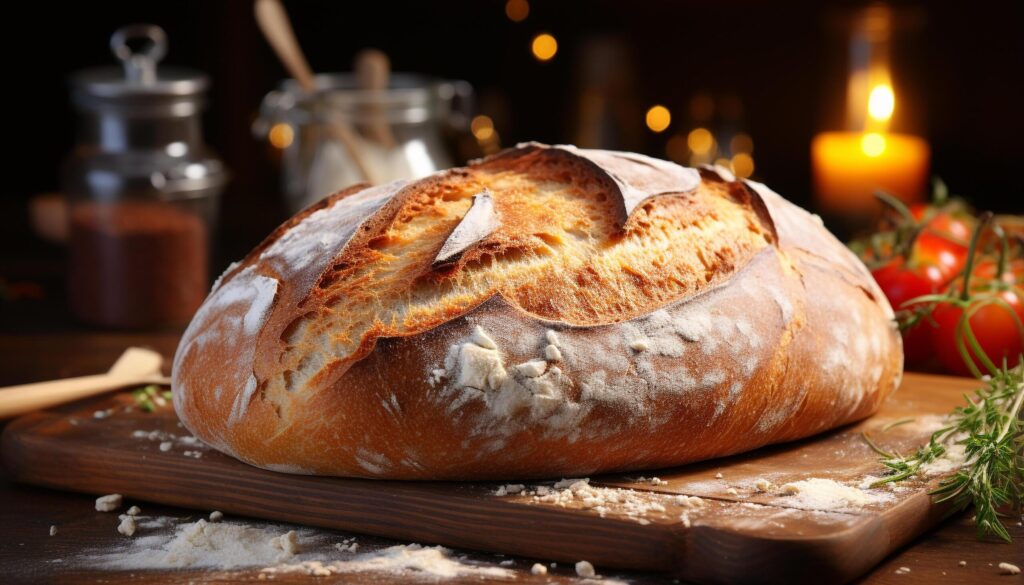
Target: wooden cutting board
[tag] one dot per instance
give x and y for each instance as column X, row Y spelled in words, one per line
column 740, row 535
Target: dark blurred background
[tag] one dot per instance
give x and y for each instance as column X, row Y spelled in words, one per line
column 775, row 65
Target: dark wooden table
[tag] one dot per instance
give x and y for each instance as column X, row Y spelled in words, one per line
column 28, row 553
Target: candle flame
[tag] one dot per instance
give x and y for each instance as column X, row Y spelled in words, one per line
column 881, row 102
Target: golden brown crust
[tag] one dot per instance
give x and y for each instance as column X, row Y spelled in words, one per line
column 601, row 311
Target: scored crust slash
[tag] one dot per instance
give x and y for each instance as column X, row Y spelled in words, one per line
column 547, row 311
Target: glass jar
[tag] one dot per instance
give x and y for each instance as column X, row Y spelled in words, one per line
column 142, row 189
column 340, row 134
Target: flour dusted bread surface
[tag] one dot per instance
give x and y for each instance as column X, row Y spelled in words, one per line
column 547, row 311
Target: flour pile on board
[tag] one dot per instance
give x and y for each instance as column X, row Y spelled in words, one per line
column 827, row 494
column 640, row 506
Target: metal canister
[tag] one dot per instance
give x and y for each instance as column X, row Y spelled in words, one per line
column 143, row 188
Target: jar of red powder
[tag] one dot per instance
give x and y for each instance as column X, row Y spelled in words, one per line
column 143, row 189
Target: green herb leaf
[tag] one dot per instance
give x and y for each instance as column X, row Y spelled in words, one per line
column 990, row 429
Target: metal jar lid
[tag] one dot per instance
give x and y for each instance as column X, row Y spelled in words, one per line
column 138, row 87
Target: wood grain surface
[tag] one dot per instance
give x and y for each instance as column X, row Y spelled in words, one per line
column 743, row 535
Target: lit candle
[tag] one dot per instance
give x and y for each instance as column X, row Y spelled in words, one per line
column 850, row 166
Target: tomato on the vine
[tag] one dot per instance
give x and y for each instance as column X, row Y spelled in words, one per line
column 902, row 281
column 943, row 238
column 995, row 320
column 957, row 226
column 1012, row 274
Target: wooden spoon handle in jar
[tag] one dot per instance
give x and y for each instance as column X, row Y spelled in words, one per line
column 373, row 70
column 136, row 366
column 278, row 31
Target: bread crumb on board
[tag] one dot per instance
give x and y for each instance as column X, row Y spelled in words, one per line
column 585, row 569
column 509, row 489
column 539, row 569
column 134, row 511
column 216, row 516
column 53, row 530
column 655, row 481
column 552, row 353
column 902, row 570
column 108, row 503
column 127, row 526
column 287, row 542
column 962, row 563
column 1009, row 569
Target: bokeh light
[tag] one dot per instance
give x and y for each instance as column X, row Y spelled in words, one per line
column 742, row 165
column 517, row 10
column 658, row 118
column 281, row 135
column 482, row 127
column 741, row 143
column 700, row 141
column 544, row 47
column 676, row 148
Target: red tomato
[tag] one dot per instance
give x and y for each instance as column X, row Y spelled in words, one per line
column 993, row 325
column 943, row 240
column 1014, row 272
column 959, row 227
column 900, row 283
column 934, row 249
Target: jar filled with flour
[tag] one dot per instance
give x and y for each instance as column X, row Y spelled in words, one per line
column 343, row 132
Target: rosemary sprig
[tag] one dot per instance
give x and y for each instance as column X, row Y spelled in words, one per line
column 150, row 397
column 990, row 429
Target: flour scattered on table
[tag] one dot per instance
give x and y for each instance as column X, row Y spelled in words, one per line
column 1009, row 569
column 168, row 441
column 197, row 544
column 164, row 543
column 435, row 562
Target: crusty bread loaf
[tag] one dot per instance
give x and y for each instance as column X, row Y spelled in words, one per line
column 544, row 312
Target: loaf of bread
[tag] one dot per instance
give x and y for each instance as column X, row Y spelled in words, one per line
column 545, row 312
